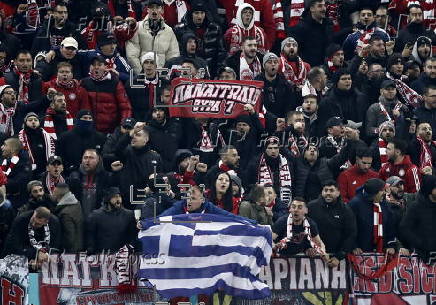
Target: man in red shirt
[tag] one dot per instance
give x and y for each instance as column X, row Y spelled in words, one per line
column 399, row 164
column 356, row 176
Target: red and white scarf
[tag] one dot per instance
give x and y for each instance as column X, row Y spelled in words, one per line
column 49, row 145
column 151, row 85
column 8, row 166
column 378, row 227
column 265, row 176
column 332, row 68
column 397, row 106
column 124, row 269
column 335, row 143
column 51, row 182
column 69, row 84
column 106, row 76
column 245, row 73
column 425, row 158
column 225, row 168
column 6, row 123
column 205, row 141
column 382, row 144
column 23, row 84
column 409, row 95
column 289, row 72
column 295, row 144
column 49, row 123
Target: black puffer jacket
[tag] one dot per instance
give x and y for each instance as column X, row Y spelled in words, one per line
column 211, row 45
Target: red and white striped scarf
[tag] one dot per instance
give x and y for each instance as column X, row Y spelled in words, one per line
column 297, row 9
column 95, row 77
column 225, row 168
column 410, row 97
column 51, row 182
column 378, row 227
column 9, row 164
column 265, row 176
column 295, row 144
column 49, row 145
column 332, row 68
column 151, row 85
column 289, row 72
column 205, row 141
column 382, row 144
column 245, row 72
column 397, row 106
column 23, row 84
column 6, row 123
column 425, row 158
column 332, row 13
column 69, row 84
column 49, row 123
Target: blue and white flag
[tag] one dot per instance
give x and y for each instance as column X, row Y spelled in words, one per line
column 192, row 254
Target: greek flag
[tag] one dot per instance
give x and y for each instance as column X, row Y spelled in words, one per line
column 192, row 254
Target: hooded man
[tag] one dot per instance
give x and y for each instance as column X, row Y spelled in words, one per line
column 418, row 222
column 273, row 168
column 422, row 50
column 38, row 143
column 72, row 144
column 245, row 27
column 70, row 216
column 291, row 65
column 57, row 119
column 375, row 221
column 111, row 226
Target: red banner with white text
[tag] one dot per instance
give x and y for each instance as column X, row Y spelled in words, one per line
column 213, row 98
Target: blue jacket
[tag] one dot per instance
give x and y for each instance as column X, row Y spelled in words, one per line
column 208, row 207
column 350, row 42
column 121, row 63
column 363, row 210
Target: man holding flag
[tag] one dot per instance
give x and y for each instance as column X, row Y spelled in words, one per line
column 204, row 249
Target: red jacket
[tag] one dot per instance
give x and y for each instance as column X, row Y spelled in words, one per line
column 352, row 178
column 109, row 102
column 263, row 16
column 76, row 97
column 406, row 170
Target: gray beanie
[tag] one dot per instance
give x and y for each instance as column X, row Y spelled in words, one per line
column 30, row 114
column 268, row 56
column 285, row 41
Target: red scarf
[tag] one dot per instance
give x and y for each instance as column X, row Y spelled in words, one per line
column 51, row 182
column 6, row 123
column 378, row 227
column 151, row 85
column 289, row 73
column 225, row 168
column 425, row 156
column 382, row 144
column 8, row 166
column 332, row 68
column 49, row 145
column 69, row 84
column 23, row 84
column 49, row 123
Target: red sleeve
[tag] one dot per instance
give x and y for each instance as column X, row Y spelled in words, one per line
column 412, row 180
column 343, row 187
column 83, row 99
column 3, row 178
column 45, row 86
column 236, row 201
column 268, row 22
column 123, row 102
column 188, row 178
column 2, row 81
column 382, row 172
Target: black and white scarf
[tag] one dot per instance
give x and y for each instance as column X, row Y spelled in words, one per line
column 265, row 177
column 42, row 244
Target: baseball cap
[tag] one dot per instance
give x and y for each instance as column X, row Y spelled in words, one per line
column 158, row 2
column 54, row 159
column 128, row 123
column 353, row 125
column 394, row 180
column 334, row 121
column 70, row 42
column 388, row 83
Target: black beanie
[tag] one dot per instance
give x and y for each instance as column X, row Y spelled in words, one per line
column 393, row 59
column 428, row 184
column 244, row 118
column 332, row 49
column 337, row 75
column 181, row 155
column 111, row 192
column 83, row 112
column 373, row 186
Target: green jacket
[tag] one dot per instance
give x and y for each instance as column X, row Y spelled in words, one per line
column 69, row 212
column 256, row 212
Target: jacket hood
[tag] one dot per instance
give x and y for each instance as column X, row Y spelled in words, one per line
column 185, row 37
column 415, row 54
column 68, row 199
column 239, row 16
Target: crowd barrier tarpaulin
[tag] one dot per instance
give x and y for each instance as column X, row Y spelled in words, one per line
column 88, row 280
column 302, row 280
column 213, row 98
column 13, row 280
column 409, row 282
